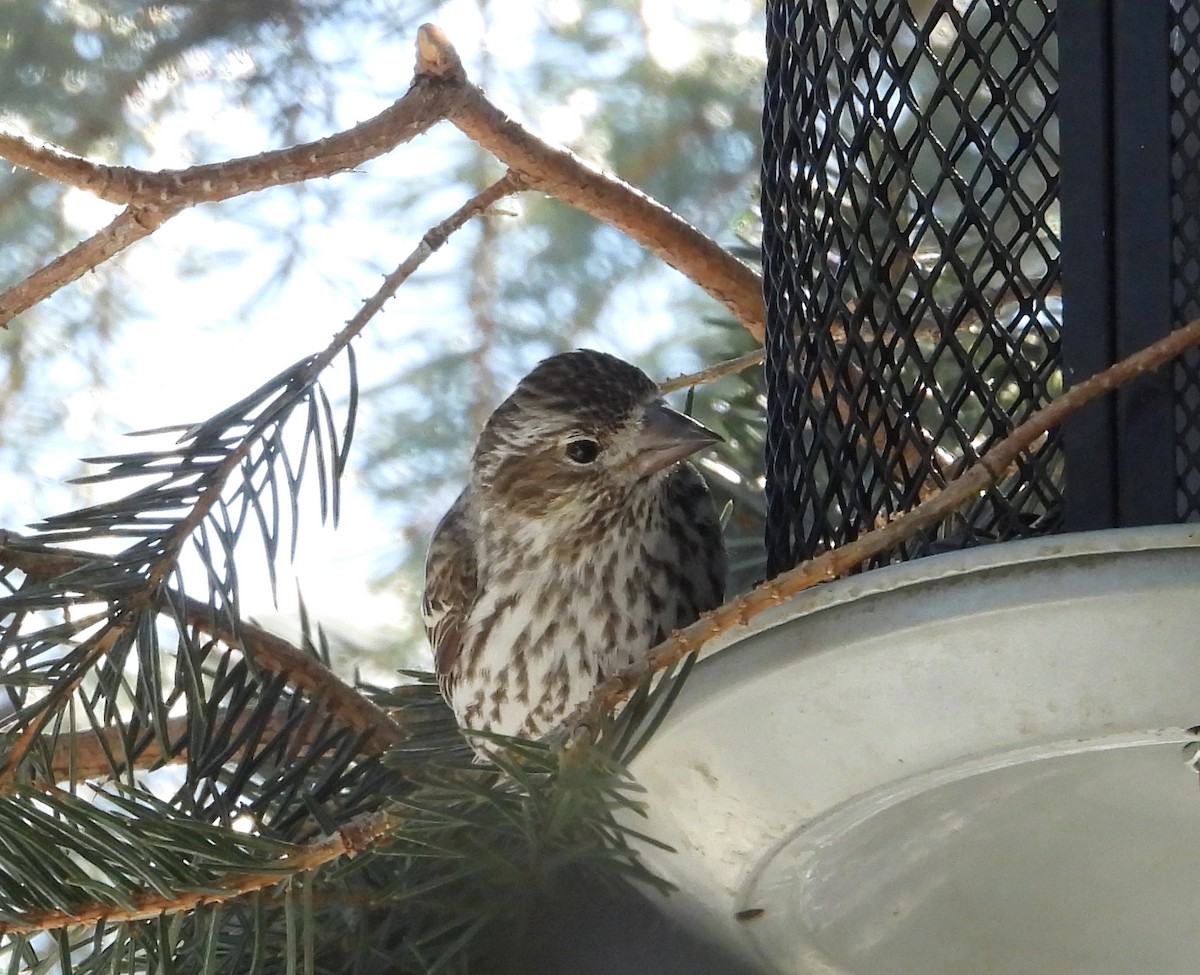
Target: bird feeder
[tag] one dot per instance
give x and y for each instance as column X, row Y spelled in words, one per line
column 971, row 761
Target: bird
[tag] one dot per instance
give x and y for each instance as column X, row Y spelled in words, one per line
column 582, row 539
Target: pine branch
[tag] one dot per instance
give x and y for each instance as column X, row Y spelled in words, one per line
column 269, row 652
column 88, row 754
column 196, row 473
column 276, row 399
column 192, row 477
column 350, row 838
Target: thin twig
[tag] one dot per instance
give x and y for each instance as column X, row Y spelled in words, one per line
column 347, row 841
column 989, row 469
column 434, row 239
column 129, row 226
column 710, row 373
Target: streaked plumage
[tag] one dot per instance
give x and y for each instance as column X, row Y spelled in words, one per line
column 581, row 540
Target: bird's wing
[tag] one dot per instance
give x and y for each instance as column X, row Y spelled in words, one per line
column 451, row 585
column 700, row 553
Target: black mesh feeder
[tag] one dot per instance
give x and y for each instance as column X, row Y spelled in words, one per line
column 912, row 251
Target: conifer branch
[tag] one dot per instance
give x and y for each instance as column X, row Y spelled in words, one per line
column 56, row 699
column 350, row 838
column 301, row 669
column 85, row 753
column 269, row 652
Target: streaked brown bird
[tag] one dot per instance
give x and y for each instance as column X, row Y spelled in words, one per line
column 582, row 539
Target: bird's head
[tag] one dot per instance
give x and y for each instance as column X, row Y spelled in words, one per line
column 578, row 434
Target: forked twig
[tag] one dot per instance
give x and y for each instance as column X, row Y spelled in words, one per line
column 440, row 90
column 566, row 177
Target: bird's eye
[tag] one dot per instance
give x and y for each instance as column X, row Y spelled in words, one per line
column 582, row 451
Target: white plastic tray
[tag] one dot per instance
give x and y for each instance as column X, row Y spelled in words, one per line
column 967, row 764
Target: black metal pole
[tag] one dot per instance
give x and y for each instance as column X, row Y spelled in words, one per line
column 1142, row 239
column 1088, row 259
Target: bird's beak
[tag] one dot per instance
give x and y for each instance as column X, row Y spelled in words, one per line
column 666, row 437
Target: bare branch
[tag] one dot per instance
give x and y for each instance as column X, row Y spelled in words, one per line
column 422, row 106
column 51, row 161
column 990, row 468
column 155, row 197
column 131, row 225
column 710, row 373
column 565, row 176
column 440, row 89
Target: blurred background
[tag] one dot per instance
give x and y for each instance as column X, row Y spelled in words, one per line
column 667, row 95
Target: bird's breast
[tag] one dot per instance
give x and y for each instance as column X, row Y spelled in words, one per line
column 545, row 631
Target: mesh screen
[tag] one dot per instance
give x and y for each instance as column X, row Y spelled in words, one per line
column 1185, row 244
column 911, row 253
